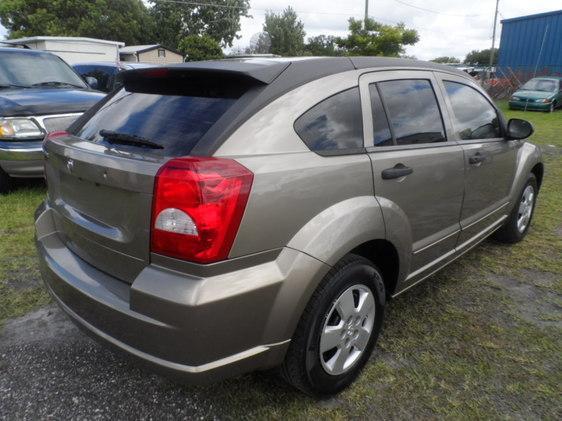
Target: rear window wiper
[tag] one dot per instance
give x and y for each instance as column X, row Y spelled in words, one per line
column 128, row 139
column 57, row 83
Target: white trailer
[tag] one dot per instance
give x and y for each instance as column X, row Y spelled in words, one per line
column 75, row 49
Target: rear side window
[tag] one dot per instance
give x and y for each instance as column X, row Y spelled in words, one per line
column 333, row 126
column 413, row 111
column 176, row 122
column 475, row 118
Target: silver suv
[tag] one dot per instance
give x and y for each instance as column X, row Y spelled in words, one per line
column 220, row 217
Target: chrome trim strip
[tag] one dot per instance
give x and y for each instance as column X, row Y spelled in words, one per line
column 485, row 216
column 437, row 242
column 475, row 238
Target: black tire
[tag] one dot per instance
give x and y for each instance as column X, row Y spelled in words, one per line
column 5, row 182
column 552, row 108
column 302, row 367
column 509, row 233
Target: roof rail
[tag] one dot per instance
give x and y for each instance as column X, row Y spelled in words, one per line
column 15, row 44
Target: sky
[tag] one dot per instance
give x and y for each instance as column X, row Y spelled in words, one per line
column 446, row 27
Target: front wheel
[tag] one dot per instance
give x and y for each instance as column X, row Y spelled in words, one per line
column 552, row 107
column 519, row 221
column 338, row 330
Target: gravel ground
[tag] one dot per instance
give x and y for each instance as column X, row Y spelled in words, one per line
column 49, row 369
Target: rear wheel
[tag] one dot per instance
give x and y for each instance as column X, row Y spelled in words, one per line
column 519, row 220
column 5, row 182
column 338, row 330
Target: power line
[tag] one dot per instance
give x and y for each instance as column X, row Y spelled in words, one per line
column 300, row 12
column 227, row 6
column 434, row 11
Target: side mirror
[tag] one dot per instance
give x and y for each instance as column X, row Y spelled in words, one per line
column 92, row 82
column 519, row 129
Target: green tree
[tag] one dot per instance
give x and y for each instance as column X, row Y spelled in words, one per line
column 286, row 32
column 445, row 59
column 481, row 57
column 200, row 47
column 118, row 20
column 322, row 45
column 176, row 20
column 372, row 38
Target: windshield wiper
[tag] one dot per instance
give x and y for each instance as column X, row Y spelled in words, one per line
column 11, row 85
column 57, row 83
column 128, row 139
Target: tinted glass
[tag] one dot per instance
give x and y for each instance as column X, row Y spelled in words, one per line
column 381, row 131
column 413, row 111
column 175, row 122
column 335, row 124
column 103, row 74
column 27, row 69
column 475, row 118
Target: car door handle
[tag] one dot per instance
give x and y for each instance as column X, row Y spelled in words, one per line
column 398, row 171
column 476, row 159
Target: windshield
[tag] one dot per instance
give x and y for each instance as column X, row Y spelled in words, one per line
column 25, row 70
column 542, row 85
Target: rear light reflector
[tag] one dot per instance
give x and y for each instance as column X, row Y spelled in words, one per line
column 197, row 208
column 55, row 134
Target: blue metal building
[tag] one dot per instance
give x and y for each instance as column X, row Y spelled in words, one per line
column 532, row 43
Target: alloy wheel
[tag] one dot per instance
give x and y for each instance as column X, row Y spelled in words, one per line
column 525, row 208
column 347, row 329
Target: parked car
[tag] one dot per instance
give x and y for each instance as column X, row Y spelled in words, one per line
column 107, row 73
column 216, row 218
column 39, row 93
column 540, row 94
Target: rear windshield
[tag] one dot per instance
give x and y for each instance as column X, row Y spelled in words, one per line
column 176, row 122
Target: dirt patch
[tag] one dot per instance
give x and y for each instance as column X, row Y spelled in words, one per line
column 551, row 150
column 22, row 279
column 46, row 324
column 534, row 304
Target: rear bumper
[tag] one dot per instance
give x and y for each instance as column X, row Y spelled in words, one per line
column 532, row 106
column 22, row 159
column 192, row 328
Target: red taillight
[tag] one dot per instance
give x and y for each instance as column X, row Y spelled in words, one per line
column 197, row 208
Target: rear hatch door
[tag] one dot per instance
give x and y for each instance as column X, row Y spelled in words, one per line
column 101, row 187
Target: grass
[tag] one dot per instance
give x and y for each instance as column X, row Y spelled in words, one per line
column 481, row 339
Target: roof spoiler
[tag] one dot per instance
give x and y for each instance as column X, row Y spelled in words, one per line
column 261, row 73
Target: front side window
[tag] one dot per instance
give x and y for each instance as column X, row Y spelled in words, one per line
column 103, row 74
column 334, row 125
column 413, row 111
column 474, row 116
column 161, row 52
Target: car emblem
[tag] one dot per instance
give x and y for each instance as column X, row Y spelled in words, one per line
column 70, row 165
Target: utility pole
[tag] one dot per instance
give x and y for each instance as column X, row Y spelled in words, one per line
column 494, row 35
column 366, row 12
